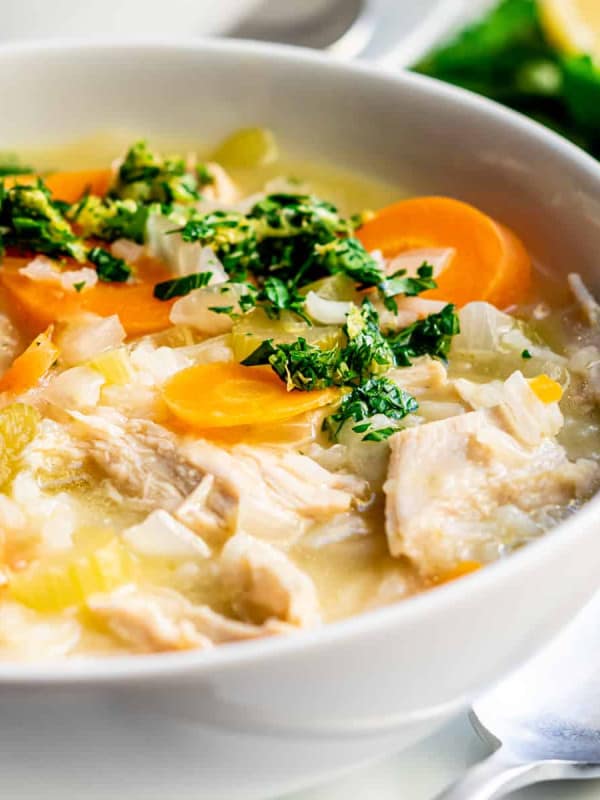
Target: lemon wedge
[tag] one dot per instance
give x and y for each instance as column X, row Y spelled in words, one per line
column 572, row 26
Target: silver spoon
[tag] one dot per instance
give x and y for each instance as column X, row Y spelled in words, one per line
column 344, row 27
column 543, row 721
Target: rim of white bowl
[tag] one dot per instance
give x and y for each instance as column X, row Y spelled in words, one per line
column 113, row 669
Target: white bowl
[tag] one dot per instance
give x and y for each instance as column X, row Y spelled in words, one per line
column 252, row 720
column 32, row 19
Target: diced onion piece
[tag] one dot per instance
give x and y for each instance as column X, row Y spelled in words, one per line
column 194, row 308
column 183, row 258
column 161, row 536
column 328, row 312
column 78, row 387
column 155, row 365
column 45, row 270
column 87, row 336
column 410, row 260
column 482, row 327
column 127, row 250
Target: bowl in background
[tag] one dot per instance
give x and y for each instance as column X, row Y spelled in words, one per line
column 37, row 19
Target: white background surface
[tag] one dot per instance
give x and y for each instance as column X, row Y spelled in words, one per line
column 422, row 771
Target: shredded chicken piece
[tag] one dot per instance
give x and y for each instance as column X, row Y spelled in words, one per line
column 141, row 459
column 447, row 478
column 161, row 620
column 279, row 494
column 585, row 299
column 264, row 583
column 425, row 375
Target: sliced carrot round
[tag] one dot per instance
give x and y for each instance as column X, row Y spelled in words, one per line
column 490, row 262
column 36, row 304
column 225, row 395
column 68, row 186
column 28, row 368
column 72, row 186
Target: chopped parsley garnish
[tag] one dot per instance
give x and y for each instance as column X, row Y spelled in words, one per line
column 107, row 219
column 375, row 396
column 230, row 235
column 30, row 220
column 430, row 336
column 79, row 286
column 350, row 257
column 367, row 352
column 276, row 296
column 526, row 354
column 205, row 176
column 222, row 310
column 109, row 267
column 300, row 365
column 147, row 177
column 178, row 287
column 401, row 283
column 11, row 166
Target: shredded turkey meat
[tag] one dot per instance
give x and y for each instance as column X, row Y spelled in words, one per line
column 264, row 583
column 158, row 620
column 446, row 478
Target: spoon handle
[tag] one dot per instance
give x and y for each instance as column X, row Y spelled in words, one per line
column 498, row 775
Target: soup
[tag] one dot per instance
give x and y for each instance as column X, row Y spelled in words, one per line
column 236, row 402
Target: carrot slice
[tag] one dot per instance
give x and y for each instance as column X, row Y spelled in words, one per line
column 36, row 304
column 224, row 395
column 71, row 186
column 490, row 262
column 28, row 368
column 459, row 571
column 68, row 186
column 547, row 390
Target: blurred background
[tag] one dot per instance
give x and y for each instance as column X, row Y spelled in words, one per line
column 540, row 57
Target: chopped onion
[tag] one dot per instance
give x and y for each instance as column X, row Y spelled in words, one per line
column 43, row 269
column 482, row 327
column 328, row 312
column 194, row 308
column 411, row 260
column 87, row 336
column 155, row 365
column 161, row 536
column 78, row 387
column 216, row 349
column 367, row 459
column 127, row 250
column 184, row 258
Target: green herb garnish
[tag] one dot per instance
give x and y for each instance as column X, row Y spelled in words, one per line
column 178, row 287
column 375, row 396
column 30, row 220
column 109, row 267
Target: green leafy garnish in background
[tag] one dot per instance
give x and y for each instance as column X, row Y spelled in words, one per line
column 507, row 57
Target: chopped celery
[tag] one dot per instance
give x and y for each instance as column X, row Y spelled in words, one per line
column 247, row 148
column 334, row 287
column 114, row 366
column 253, row 329
column 18, row 426
column 67, row 581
